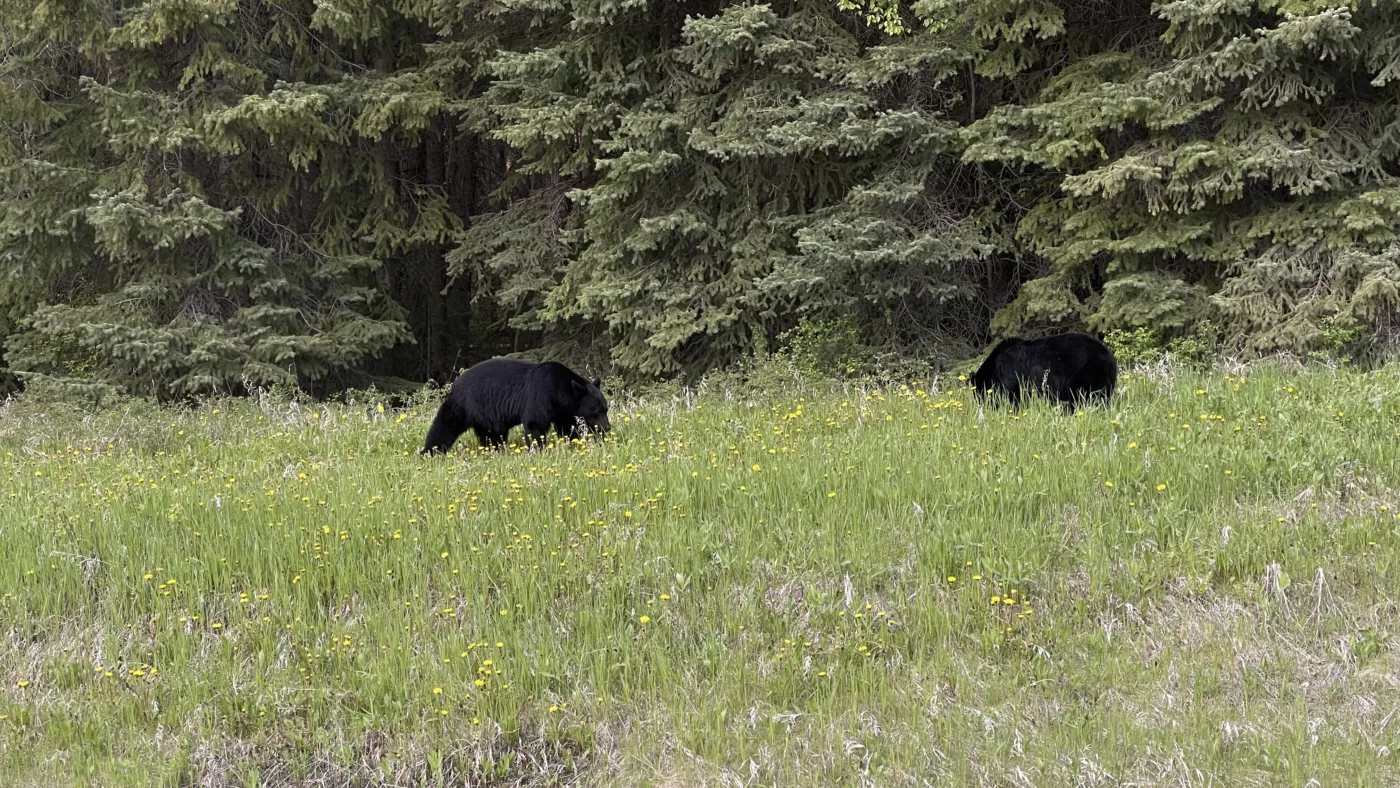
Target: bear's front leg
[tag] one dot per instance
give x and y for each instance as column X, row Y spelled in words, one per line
column 495, row 441
column 447, row 425
column 535, row 433
column 567, row 429
column 1013, row 395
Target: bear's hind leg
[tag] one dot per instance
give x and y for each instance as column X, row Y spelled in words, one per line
column 1067, row 396
column 1088, row 395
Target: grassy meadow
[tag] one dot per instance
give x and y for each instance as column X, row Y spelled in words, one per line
column 803, row 585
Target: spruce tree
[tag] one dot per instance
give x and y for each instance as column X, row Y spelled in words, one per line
column 714, row 175
column 1238, row 163
column 213, row 193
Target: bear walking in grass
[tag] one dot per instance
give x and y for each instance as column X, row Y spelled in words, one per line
column 1070, row 369
column 498, row 394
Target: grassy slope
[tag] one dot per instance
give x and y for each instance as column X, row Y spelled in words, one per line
column 1196, row 586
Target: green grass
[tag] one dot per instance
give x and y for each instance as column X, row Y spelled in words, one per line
column 753, row 589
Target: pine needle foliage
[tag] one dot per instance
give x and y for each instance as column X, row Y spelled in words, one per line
column 1238, row 164
column 208, row 194
column 718, row 172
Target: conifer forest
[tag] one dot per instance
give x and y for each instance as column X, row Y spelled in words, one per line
column 202, row 195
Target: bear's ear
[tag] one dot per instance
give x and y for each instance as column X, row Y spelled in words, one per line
column 598, row 382
column 578, row 387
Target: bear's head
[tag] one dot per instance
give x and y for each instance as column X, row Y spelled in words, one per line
column 984, row 379
column 592, row 406
column 988, row 376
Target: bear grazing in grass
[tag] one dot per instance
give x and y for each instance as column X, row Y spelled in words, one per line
column 1070, row 369
column 501, row 393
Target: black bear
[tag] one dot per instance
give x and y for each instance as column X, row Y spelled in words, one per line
column 1070, row 369
column 500, row 393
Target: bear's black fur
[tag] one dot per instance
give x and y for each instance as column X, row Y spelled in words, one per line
column 501, row 393
column 1070, row 369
